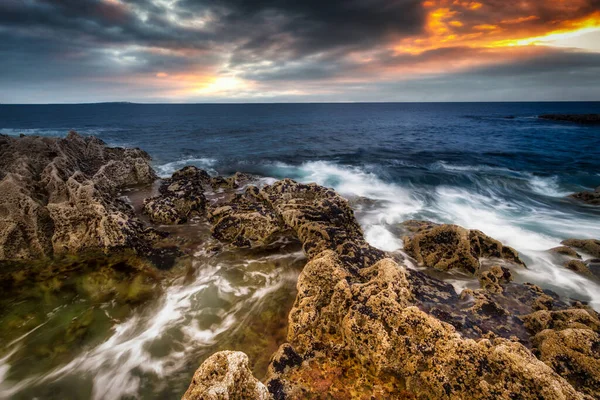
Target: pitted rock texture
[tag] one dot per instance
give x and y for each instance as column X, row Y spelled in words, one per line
column 226, row 376
column 362, row 325
column 61, row 195
column 181, row 197
column 246, row 221
column 447, row 247
column 370, row 318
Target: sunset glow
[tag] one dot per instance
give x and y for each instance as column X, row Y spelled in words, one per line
column 174, row 51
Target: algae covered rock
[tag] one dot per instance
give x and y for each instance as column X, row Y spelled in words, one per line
column 60, row 195
column 447, row 247
column 226, row 375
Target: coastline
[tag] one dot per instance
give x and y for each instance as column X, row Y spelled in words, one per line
column 358, row 308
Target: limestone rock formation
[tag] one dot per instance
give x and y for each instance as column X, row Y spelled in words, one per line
column 226, row 376
column 447, row 247
column 492, row 279
column 181, row 197
column 565, row 251
column 589, row 197
column 569, row 342
column 363, row 325
column 246, row 221
column 61, row 195
column 589, row 246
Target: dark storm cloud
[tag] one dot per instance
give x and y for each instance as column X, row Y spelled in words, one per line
column 336, row 50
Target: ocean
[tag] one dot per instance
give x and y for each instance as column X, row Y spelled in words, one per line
column 495, row 167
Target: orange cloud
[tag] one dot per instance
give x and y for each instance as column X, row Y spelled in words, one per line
column 493, row 24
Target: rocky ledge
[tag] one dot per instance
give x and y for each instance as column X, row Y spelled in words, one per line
column 576, row 118
column 60, row 196
column 364, row 325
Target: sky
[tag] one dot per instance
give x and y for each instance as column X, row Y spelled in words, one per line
column 78, row 51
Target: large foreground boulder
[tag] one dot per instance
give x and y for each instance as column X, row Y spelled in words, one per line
column 60, row 195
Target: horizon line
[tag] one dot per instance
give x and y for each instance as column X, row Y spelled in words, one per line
column 300, row 102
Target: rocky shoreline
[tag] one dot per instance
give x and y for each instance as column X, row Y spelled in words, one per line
column 363, row 324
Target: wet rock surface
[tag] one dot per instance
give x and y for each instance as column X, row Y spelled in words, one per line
column 61, row 196
column 364, row 325
column 589, row 197
column 447, row 247
column 588, row 246
column 225, row 375
column 181, row 197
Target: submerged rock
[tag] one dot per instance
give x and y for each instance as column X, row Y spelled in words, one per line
column 226, row 375
column 447, row 247
column 565, row 251
column 580, row 267
column 60, row 195
column 589, row 197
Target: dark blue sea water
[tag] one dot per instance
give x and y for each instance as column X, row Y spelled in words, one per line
column 495, row 166
column 489, row 166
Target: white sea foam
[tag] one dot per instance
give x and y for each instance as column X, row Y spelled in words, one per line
column 531, row 231
column 175, row 319
column 547, row 186
column 395, row 203
column 166, row 170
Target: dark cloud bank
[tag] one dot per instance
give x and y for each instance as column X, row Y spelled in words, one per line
column 97, row 50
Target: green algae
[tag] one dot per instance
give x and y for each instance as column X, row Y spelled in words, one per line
column 52, row 309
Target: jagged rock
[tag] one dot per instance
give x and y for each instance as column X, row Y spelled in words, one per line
column 492, row 279
column 181, row 197
column 565, row 251
column 569, row 342
column 576, row 118
column 362, row 325
column 246, row 221
column 60, row 195
column 589, row 246
column 226, row 376
column 447, row 247
column 322, row 220
column 235, row 181
column 370, row 318
column 589, row 197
